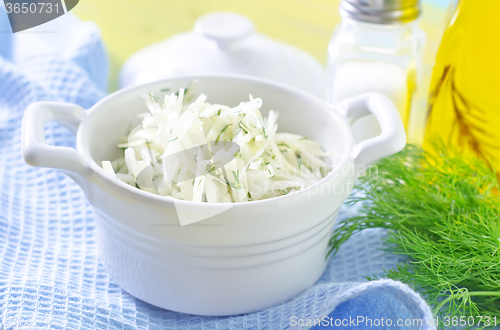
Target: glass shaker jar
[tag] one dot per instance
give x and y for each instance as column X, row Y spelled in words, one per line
column 377, row 48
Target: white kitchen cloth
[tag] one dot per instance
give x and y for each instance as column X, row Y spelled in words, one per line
column 50, row 275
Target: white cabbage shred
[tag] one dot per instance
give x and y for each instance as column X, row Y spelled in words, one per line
column 268, row 164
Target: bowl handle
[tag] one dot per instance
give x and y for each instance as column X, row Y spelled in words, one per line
column 35, row 149
column 392, row 138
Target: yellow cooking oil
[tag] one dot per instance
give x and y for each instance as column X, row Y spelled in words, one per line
column 464, row 100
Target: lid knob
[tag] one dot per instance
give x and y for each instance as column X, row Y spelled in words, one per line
column 224, row 27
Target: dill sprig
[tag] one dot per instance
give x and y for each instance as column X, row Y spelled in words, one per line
column 221, row 132
column 442, row 210
column 119, row 167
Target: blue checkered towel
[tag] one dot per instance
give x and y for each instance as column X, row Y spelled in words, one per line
column 50, row 275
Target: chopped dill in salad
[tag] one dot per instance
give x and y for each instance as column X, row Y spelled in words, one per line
column 174, row 152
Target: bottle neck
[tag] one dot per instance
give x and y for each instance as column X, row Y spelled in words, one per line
column 383, row 37
column 403, row 29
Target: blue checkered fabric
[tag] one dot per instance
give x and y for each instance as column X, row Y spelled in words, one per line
column 50, row 275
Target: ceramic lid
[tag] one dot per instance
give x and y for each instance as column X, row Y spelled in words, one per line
column 224, row 43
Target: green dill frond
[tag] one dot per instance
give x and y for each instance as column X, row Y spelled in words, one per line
column 222, row 132
column 442, row 210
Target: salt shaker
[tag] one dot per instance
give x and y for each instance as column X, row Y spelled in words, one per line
column 377, row 48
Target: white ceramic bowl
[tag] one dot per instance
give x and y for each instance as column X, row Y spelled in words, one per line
column 248, row 257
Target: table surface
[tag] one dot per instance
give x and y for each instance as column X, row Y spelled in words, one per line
column 129, row 25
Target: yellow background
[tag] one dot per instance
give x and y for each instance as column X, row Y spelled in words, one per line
column 129, row 25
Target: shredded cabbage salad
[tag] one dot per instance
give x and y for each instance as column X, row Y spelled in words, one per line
column 255, row 162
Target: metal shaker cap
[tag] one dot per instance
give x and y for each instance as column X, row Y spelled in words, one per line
column 381, row 11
